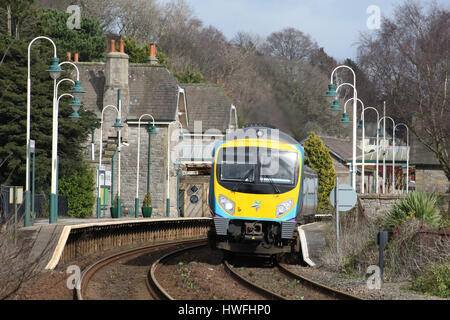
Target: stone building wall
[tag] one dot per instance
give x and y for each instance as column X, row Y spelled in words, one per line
column 158, row 169
column 431, row 179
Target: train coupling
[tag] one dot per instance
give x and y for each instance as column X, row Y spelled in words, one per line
column 253, row 231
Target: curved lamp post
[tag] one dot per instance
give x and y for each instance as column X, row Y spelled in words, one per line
column 76, row 92
column 55, row 72
column 117, row 126
column 151, row 130
column 332, row 93
column 345, row 119
column 363, row 135
column 407, row 154
column 384, row 153
column 180, row 137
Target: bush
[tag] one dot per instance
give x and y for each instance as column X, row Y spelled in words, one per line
column 147, row 200
column 318, row 158
column 79, row 190
column 419, row 205
column 435, row 281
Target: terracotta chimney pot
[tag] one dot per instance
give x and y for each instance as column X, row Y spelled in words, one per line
column 121, row 44
column 152, row 50
column 112, row 45
column 69, row 56
column 76, row 57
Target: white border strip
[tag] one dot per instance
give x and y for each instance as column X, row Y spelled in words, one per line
column 304, row 245
column 66, row 231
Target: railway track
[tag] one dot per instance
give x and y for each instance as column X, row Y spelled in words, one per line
column 325, row 291
column 309, row 289
column 82, row 287
column 167, row 251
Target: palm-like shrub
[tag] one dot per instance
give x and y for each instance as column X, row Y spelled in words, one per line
column 419, row 205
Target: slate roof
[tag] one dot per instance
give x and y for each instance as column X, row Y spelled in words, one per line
column 153, row 89
column 342, row 148
column 207, row 103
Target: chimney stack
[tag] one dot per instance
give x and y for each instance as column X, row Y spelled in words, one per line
column 121, row 45
column 116, row 77
column 112, row 45
column 152, row 58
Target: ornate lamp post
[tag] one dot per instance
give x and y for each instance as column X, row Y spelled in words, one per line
column 180, row 137
column 407, row 154
column 55, row 72
column 117, row 127
column 76, row 91
column 393, row 152
column 332, row 93
column 151, row 130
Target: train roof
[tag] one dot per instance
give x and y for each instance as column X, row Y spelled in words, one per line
column 263, row 132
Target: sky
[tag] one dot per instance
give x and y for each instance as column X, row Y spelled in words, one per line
column 335, row 25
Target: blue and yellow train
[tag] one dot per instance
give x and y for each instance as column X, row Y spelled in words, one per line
column 260, row 191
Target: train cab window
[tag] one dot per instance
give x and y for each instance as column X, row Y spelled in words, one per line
column 278, row 166
column 236, row 171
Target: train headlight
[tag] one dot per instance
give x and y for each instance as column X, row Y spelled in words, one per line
column 226, row 204
column 284, row 207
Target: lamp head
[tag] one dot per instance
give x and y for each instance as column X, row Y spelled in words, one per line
column 75, row 104
column 335, row 106
column 181, row 136
column 77, row 90
column 345, row 119
column 55, row 70
column 331, row 91
column 117, row 125
column 360, row 126
column 151, row 129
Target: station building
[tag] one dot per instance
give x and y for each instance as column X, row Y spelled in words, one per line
column 176, row 109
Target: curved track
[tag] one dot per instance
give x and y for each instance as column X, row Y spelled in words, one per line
column 324, row 291
column 251, row 285
column 81, row 288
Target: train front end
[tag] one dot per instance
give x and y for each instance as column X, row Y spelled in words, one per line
column 255, row 192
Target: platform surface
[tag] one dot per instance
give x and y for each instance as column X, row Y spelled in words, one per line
column 314, row 234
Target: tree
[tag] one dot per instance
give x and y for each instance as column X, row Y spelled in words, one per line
column 290, row 43
column 89, row 41
column 407, row 61
column 13, row 115
column 79, row 189
column 318, row 158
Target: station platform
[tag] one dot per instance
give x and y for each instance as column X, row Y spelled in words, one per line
column 68, row 239
column 312, row 239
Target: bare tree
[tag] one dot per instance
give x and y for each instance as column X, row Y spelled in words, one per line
column 290, row 43
column 407, row 61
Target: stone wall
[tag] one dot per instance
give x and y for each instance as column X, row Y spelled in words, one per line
column 158, row 169
column 376, row 206
column 431, row 179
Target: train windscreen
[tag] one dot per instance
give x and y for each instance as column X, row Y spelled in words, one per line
column 257, row 169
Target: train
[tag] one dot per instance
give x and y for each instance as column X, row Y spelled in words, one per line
column 260, row 192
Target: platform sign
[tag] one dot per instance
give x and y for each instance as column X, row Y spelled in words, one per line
column 343, row 198
column 346, row 197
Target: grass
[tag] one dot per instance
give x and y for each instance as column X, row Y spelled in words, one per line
column 434, row 281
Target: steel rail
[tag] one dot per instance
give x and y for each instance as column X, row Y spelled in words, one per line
column 152, row 282
column 83, row 282
column 253, row 286
column 331, row 292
